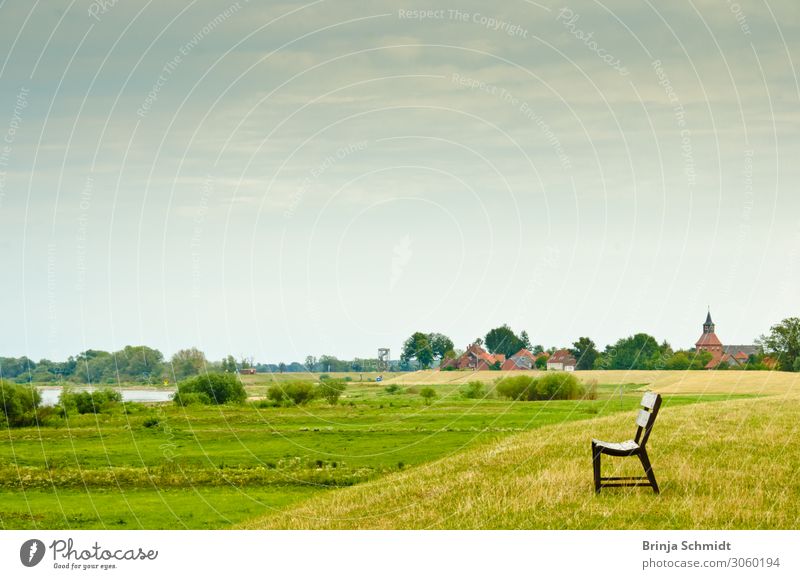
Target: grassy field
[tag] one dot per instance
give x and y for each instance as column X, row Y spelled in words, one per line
column 258, row 383
column 662, row 381
column 732, row 464
column 164, row 466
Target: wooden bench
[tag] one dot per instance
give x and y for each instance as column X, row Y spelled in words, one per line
column 651, row 402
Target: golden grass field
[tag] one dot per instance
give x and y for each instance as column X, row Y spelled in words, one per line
column 662, row 381
column 732, row 464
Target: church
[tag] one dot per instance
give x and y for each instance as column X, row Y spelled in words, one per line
column 733, row 356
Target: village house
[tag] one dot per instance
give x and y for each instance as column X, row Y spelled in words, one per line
column 477, row 358
column 563, row 361
column 474, row 358
column 522, row 360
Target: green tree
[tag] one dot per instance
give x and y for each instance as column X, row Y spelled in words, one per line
column 331, row 390
column 418, row 347
column 585, row 353
column 311, row 363
column 440, row 345
column 428, row 394
column 18, row 404
column 296, row 392
column 228, row 364
column 783, row 342
column 639, row 352
column 526, row 341
column 139, row 364
column 503, row 340
column 188, row 362
column 213, row 388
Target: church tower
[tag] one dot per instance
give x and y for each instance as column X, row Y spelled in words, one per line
column 709, row 327
column 709, row 342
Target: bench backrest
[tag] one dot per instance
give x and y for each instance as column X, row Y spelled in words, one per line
column 651, row 402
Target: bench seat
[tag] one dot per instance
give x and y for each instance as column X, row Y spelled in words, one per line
column 627, row 446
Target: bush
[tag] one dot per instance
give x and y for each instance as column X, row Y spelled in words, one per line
column 150, row 422
column 89, row 401
column 191, row 398
column 393, row 389
column 558, row 386
column 297, row 392
column 517, row 387
column 212, row 389
column 18, row 404
column 551, row 386
column 428, row 394
column 331, row 390
column 474, row 389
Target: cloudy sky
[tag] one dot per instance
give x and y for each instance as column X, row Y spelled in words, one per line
column 278, row 179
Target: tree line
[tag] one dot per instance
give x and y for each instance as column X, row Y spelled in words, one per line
column 778, row 349
column 145, row 365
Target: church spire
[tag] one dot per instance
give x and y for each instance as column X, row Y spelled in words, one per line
column 709, row 327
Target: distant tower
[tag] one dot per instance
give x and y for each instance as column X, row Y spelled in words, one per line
column 383, row 359
column 709, row 327
column 709, row 342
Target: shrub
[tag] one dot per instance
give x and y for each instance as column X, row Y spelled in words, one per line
column 217, row 389
column 331, row 390
column 516, row 387
column 558, row 386
column 150, row 422
column 474, row 389
column 18, row 404
column 297, row 392
column 191, row 398
column 551, row 386
column 428, row 394
column 89, row 401
column 393, row 389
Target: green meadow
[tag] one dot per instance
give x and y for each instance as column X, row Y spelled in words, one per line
column 163, row 466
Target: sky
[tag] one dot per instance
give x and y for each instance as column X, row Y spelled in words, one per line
column 279, row 179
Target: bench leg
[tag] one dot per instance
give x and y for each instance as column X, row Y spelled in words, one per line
column 596, row 465
column 648, row 470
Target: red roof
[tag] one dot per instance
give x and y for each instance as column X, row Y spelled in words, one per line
column 562, row 357
column 708, row 340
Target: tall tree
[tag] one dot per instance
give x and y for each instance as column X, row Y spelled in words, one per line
column 139, row 363
column 228, row 364
column 783, row 342
column 418, row 347
column 188, row 362
column 639, row 352
column 526, row 341
column 440, row 345
column 503, row 340
column 585, row 353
